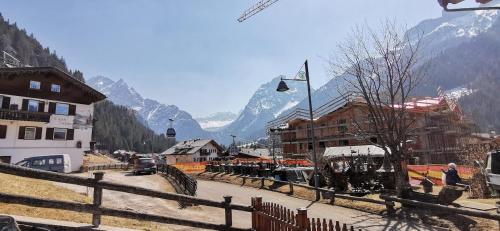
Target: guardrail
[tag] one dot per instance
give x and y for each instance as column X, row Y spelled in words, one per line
column 182, row 179
column 96, row 208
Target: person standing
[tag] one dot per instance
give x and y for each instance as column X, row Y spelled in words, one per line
column 452, row 177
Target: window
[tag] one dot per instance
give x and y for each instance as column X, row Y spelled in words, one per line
column 33, row 105
column 62, row 109
column 3, row 131
column 55, row 88
column 343, row 142
column 35, row 85
column 59, row 160
column 29, row 133
column 39, row 162
column 60, row 133
column 51, row 161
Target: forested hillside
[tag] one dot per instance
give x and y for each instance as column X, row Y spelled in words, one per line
column 117, row 127
column 28, row 50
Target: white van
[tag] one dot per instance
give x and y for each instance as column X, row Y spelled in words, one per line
column 53, row 163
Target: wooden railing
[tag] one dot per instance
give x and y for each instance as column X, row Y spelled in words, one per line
column 273, row 217
column 97, row 167
column 188, row 183
column 96, row 208
column 332, row 195
column 7, row 114
column 436, row 207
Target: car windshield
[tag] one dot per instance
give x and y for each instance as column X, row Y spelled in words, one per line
column 146, row 161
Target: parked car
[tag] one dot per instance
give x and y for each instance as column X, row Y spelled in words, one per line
column 54, row 163
column 493, row 171
column 144, row 165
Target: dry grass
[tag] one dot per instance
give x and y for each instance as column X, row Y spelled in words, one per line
column 97, row 159
column 44, row 189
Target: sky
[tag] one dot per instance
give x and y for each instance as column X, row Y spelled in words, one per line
column 194, row 53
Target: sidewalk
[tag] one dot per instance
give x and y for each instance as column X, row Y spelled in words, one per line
column 62, row 225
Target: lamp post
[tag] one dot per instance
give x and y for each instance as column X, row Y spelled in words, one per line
column 282, row 87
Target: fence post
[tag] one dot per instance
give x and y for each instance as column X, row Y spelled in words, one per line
column 257, row 206
column 97, row 200
column 332, row 198
column 290, row 183
column 262, row 182
column 228, row 211
column 389, row 205
column 302, row 219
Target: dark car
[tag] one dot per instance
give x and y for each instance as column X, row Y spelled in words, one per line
column 144, row 165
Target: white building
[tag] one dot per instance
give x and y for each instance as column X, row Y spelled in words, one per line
column 44, row 111
column 197, row 150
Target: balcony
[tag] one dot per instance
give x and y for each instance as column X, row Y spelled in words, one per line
column 24, row 115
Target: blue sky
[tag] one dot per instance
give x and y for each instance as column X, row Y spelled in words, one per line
column 193, row 53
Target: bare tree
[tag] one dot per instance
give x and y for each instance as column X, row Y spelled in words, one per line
column 379, row 67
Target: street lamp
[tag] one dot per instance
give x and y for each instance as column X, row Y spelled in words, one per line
column 282, row 87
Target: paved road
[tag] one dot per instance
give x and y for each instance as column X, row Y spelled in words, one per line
column 242, row 195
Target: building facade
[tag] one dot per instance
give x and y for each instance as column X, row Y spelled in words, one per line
column 439, row 130
column 197, row 150
column 45, row 111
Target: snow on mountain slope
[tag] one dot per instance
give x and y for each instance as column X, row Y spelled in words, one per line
column 452, row 29
column 263, row 106
column 154, row 113
column 216, row 121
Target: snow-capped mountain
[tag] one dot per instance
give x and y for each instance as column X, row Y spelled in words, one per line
column 155, row 114
column 216, row 121
column 452, row 29
column 265, row 105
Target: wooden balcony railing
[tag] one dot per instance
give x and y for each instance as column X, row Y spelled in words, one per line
column 6, row 114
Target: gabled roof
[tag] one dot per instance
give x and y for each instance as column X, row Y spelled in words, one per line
column 189, row 147
column 92, row 95
column 258, row 152
column 354, row 151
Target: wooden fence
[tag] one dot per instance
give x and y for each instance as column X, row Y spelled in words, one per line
column 98, row 167
column 273, row 217
column 188, row 183
column 97, row 210
column 389, row 201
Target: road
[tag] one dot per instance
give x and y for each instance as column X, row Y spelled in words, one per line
column 241, row 195
column 360, row 220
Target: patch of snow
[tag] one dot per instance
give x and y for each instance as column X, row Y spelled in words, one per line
column 287, row 106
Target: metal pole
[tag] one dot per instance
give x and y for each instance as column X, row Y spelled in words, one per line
column 316, row 174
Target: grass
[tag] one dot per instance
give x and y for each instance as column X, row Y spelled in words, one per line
column 44, row 189
column 97, row 159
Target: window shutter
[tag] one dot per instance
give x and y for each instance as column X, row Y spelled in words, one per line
column 70, row 134
column 49, row 134
column 72, row 110
column 3, row 131
column 52, row 107
column 25, row 105
column 41, row 106
column 5, row 102
column 21, row 132
column 38, row 134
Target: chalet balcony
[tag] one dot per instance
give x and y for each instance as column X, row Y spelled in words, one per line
column 24, row 115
